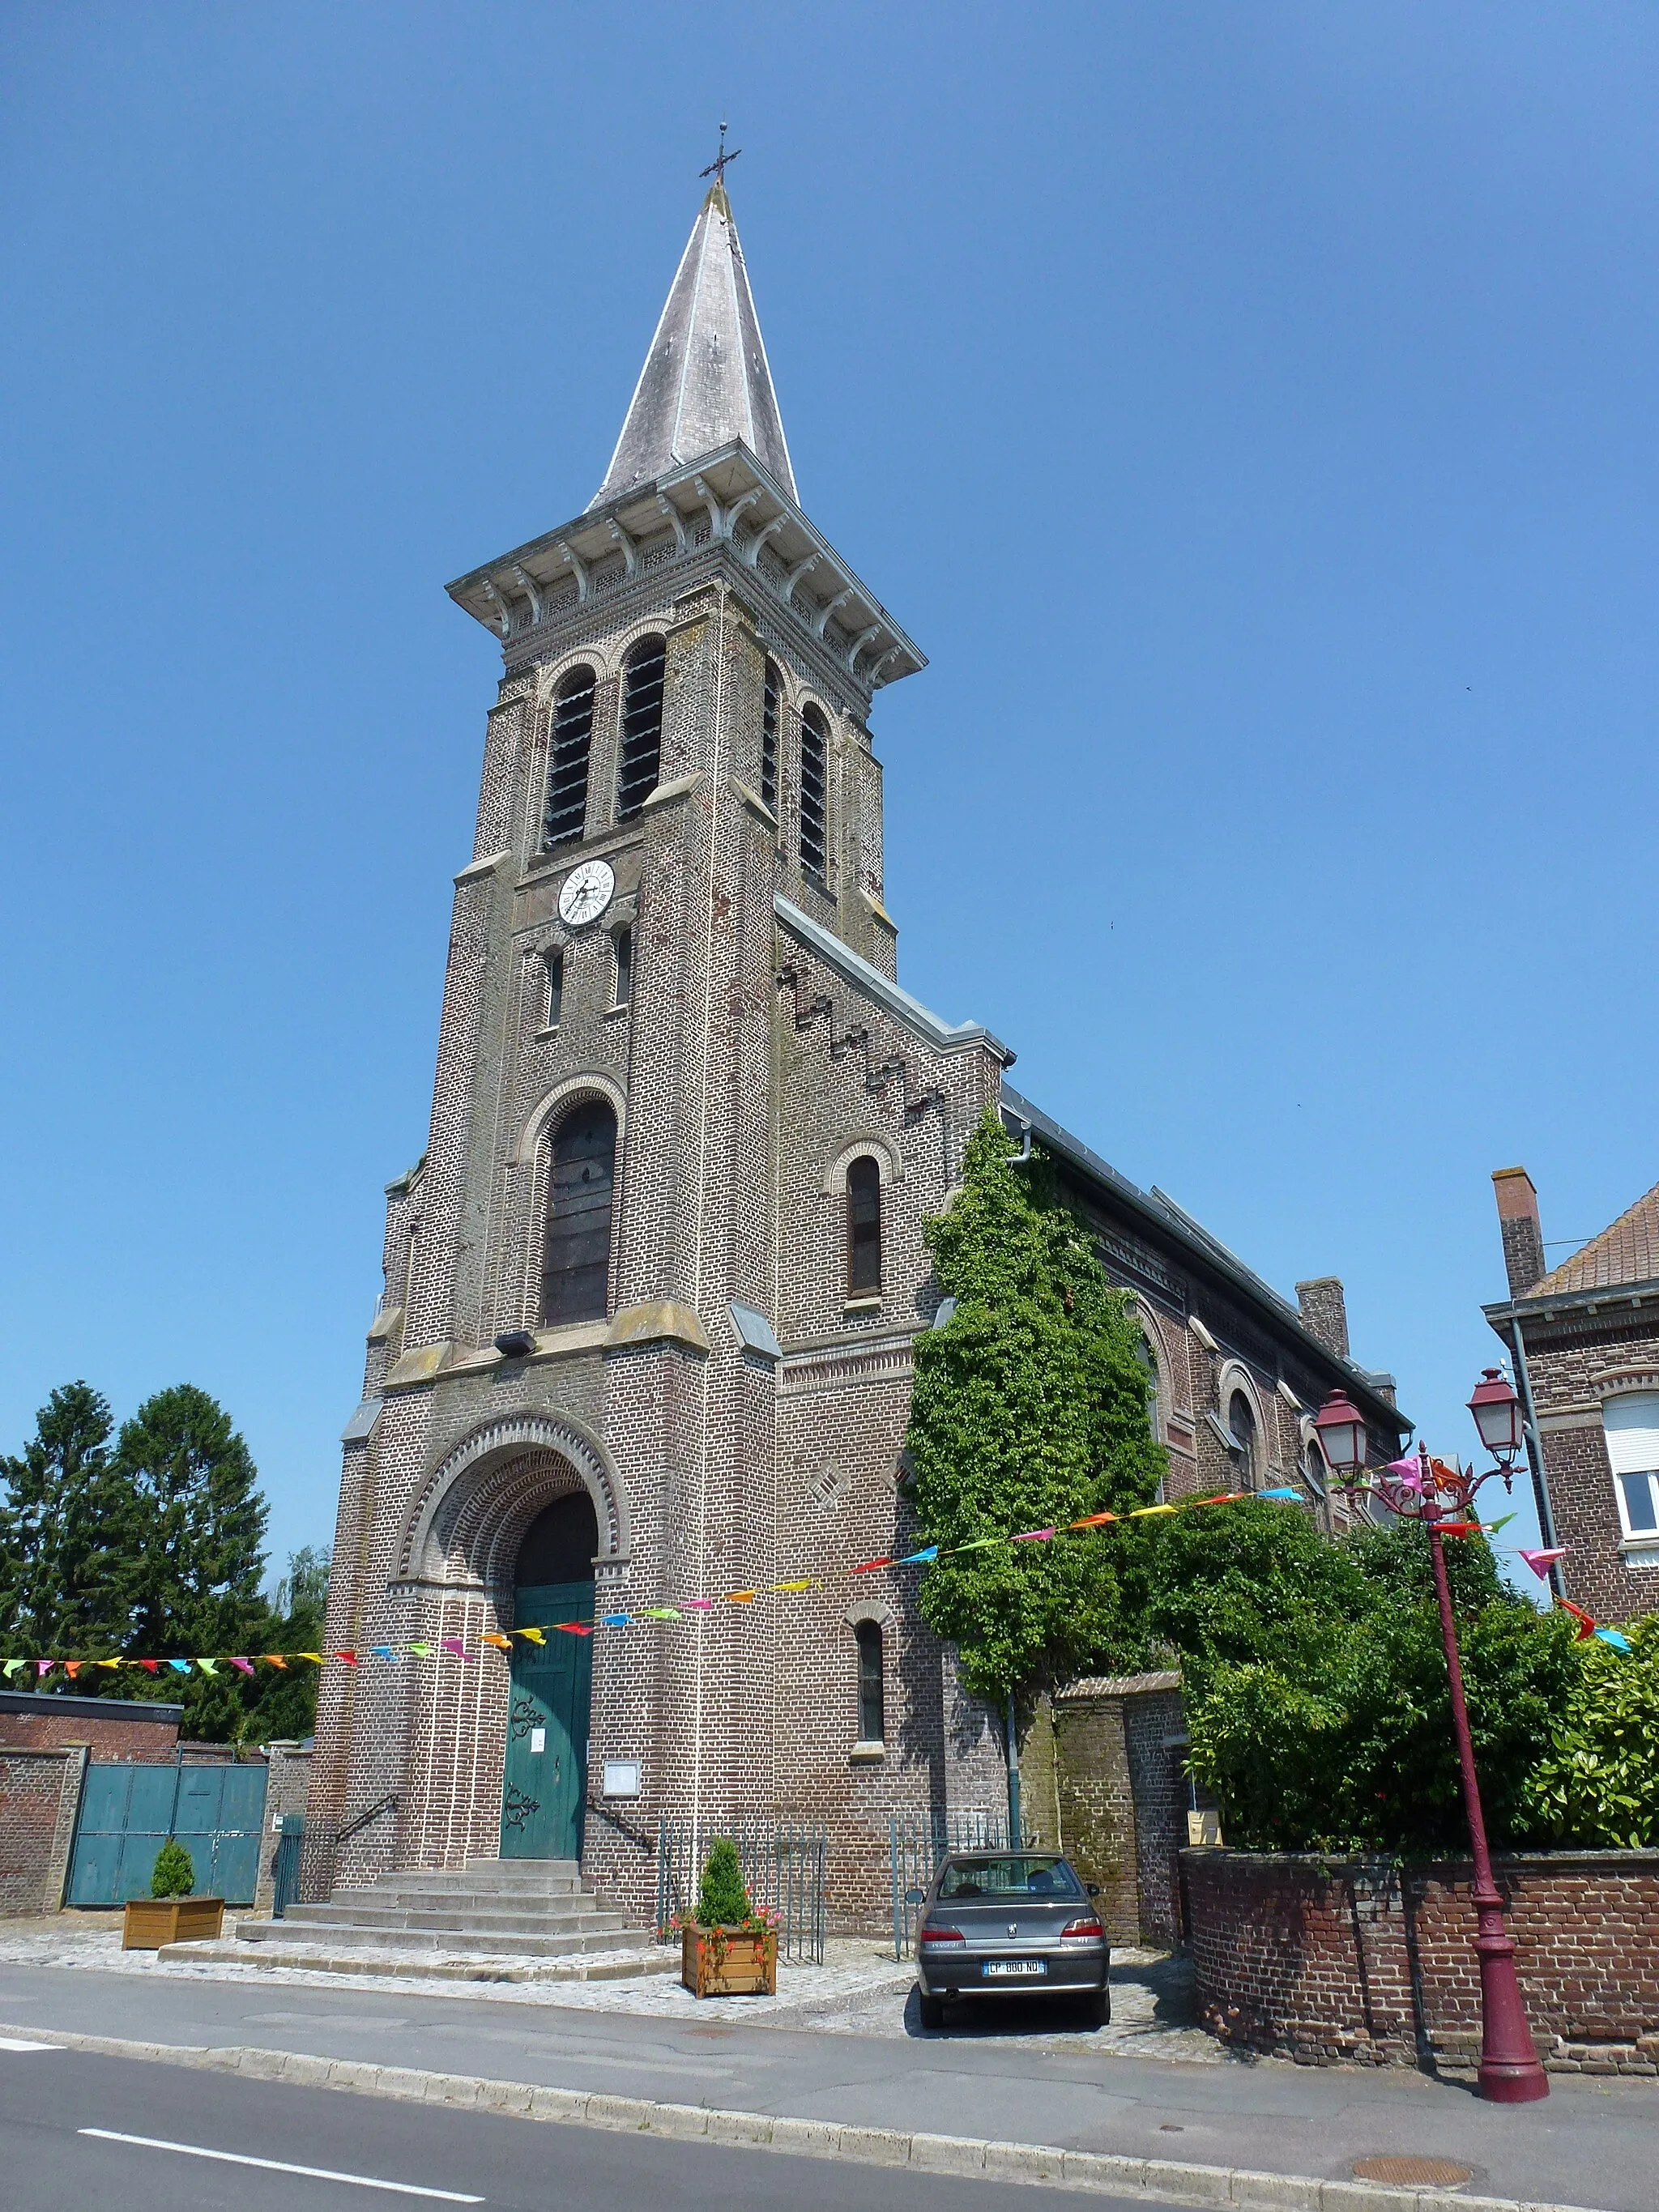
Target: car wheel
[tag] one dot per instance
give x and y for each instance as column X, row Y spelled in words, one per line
column 932, row 2011
column 1097, row 2007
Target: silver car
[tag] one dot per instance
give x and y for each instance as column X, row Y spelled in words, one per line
column 1009, row 1924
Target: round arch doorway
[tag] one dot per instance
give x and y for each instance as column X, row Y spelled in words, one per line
column 545, row 1783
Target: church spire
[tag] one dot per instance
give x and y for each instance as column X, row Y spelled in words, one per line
column 706, row 380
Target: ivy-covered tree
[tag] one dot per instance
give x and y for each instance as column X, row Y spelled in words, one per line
column 1029, row 1411
column 69, row 1535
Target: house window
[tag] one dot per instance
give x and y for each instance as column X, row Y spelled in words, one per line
column 814, row 788
column 554, row 963
column 576, row 1267
column 863, row 1228
column 644, row 673
column 1632, row 1425
column 624, row 945
column 1240, row 1425
column 771, row 697
column 566, row 774
column 872, row 1701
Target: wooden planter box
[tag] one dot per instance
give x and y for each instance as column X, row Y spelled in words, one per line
column 747, row 1965
column 153, row 1921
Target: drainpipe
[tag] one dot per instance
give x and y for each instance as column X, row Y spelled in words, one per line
column 1535, row 1456
column 1013, row 1776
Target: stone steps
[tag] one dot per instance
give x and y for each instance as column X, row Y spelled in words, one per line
column 507, row 1910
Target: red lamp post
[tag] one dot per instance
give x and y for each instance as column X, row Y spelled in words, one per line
column 1509, row 2071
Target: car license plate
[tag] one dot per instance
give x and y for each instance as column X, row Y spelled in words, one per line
column 1017, row 1969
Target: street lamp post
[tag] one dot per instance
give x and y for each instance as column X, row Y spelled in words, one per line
column 1509, row 2071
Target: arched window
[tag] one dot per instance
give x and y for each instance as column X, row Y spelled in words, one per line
column 814, row 790
column 872, row 1699
column 554, row 988
column 1240, row 1424
column 624, row 942
column 1313, row 1460
column 771, row 700
column 863, row 1227
column 566, row 774
column 644, row 673
column 1148, row 1360
column 576, row 1273
column 560, row 1543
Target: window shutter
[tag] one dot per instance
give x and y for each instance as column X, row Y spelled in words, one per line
column 1633, row 1430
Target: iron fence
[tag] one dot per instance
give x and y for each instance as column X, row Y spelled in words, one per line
column 783, row 1862
column 919, row 1841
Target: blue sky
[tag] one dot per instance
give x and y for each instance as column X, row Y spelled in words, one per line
column 1250, row 409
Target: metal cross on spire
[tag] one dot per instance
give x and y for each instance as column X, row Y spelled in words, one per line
column 717, row 168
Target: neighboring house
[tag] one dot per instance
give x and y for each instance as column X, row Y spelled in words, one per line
column 652, row 1291
column 1585, row 1338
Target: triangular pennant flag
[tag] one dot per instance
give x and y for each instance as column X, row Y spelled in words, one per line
column 614, row 1620
column 702, row 1604
column 1284, row 1490
column 1146, row 1512
column 576, row 1627
column 150, row 1666
column 243, row 1666
column 919, row 1558
column 1092, row 1520
column 107, row 1662
column 453, row 1645
column 501, row 1643
column 866, row 1567
column 72, row 1668
column 381, row 1651
column 1032, row 1536
column 791, row 1587
column 179, row 1665
column 741, row 1597
column 1612, row 1635
column 346, row 1658
column 661, row 1613
column 43, row 1668
column 424, row 1651
column 275, row 1659
column 1540, row 1562
column 12, row 1666
column 315, row 1657
column 208, row 1666
column 531, row 1635
column 1493, row 1527
column 1459, row 1528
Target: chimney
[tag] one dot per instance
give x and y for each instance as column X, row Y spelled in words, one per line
column 1523, row 1236
column 1325, row 1313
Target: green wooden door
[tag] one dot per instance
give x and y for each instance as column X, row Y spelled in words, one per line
column 543, row 1790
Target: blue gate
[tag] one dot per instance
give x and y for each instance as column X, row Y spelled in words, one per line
column 128, row 1810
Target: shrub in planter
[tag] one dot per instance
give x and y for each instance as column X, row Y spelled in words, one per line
column 726, row 1948
column 175, row 1873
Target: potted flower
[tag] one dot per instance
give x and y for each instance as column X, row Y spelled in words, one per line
column 726, row 1948
column 170, row 1914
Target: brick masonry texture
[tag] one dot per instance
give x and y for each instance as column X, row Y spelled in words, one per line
column 748, row 1070
column 1370, row 1960
column 1104, row 1781
column 40, row 1797
column 45, row 1721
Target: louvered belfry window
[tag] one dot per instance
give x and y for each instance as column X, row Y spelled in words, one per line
column 567, row 776
column 863, row 1227
column 576, row 1274
column 771, row 699
column 814, row 790
column 644, row 674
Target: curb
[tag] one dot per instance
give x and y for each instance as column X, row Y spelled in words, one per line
column 392, row 1966
column 1165, row 2181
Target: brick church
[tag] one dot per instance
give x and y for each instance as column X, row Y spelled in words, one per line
column 651, row 1290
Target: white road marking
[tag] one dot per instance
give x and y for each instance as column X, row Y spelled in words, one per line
column 16, row 2043
column 280, row 2166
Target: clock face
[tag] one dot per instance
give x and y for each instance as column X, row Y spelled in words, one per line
column 585, row 892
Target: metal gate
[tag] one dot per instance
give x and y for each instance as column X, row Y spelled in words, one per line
column 919, row 1841
column 129, row 1808
column 285, row 1874
column 783, row 1870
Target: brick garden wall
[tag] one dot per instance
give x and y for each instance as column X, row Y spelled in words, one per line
column 39, row 1795
column 110, row 1728
column 1103, row 1784
column 1327, row 1961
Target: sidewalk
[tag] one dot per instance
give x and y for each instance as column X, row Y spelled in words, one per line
column 1594, row 2142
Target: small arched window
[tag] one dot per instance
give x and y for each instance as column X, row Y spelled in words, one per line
column 814, row 790
column 554, row 988
column 1148, row 1360
column 1241, row 1425
column 1313, row 1460
column 863, row 1228
column 644, row 673
column 771, row 700
column 624, row 942
column 576, row 1270
column 872, row 1699
column 566, row 774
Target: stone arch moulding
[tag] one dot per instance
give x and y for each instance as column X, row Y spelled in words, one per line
column 467, row 1468
column 870, row 1608
column 882, row 1149
column 569, row 1092
column 1233, row 1375
column 1163, row 1362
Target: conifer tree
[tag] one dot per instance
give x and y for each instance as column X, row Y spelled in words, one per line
column 68, row 1534
column 1029, row 1411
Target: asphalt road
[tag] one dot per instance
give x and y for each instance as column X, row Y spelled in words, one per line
column 153, row 2123
column 1592, row 2142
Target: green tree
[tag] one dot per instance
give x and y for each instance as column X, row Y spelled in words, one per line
column 68, row 1535
column 722, row 1899
column 1029, row 1411
column 303, row 1590
column 173, row 1873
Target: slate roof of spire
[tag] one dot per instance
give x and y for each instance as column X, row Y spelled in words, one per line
column 706, row 380
column 1626, row 1252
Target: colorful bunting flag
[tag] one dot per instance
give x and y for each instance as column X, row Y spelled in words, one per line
column 1542, row 1561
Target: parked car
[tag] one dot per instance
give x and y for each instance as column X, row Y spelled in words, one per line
column 1009, row 1924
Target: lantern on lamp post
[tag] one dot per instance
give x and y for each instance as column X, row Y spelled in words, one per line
column 1438, row 1496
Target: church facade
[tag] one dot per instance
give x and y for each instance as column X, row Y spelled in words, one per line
column 652, row 1291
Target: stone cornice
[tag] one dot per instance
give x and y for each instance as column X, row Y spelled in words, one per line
column 725, row 503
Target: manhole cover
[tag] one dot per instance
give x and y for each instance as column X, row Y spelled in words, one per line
column 1414, row 2173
